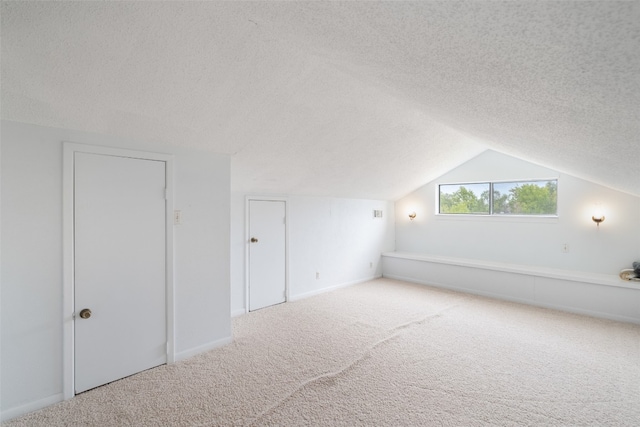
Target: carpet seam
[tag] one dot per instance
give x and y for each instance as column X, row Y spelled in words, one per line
column 364, row 354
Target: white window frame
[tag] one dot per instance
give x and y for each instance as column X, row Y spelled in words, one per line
column 492, row 215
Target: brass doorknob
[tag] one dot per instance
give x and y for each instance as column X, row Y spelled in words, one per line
column 254, row 240
column 85, row 313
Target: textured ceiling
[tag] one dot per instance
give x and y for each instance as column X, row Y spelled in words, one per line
column 346, row 99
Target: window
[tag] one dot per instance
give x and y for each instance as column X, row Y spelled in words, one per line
column 539, row 197
column 465, row 198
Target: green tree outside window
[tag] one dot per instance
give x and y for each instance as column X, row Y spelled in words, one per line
column 507, row 198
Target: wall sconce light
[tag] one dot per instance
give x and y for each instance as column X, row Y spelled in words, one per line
column 597, row 216
column 412, row 216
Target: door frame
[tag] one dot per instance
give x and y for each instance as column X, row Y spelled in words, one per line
column 68, row 230
column 247, row 243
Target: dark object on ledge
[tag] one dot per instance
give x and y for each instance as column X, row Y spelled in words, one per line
column 629, row 274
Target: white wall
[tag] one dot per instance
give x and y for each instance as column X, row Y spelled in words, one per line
column 612, row 247
column 338, row 238
column 592, row 294
column 237, row 247
column 31, row 229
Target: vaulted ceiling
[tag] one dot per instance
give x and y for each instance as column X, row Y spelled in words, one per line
column 345, row 99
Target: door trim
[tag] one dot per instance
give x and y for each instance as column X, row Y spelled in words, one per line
column 68, row 221
column 246, row 244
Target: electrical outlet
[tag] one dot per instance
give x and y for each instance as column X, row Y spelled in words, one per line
column 370, row 265
column 565, row 248
column 317, row 275
column 177, row 217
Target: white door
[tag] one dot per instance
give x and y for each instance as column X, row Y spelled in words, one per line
column 267, row 282
column 119, row 267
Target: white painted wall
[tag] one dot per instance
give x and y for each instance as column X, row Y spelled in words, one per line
column 592, row 294
column 31, row 228
column 337, row 238
column 237, row 247
column 538, row 242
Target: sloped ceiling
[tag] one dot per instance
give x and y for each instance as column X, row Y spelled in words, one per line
column 345, row 99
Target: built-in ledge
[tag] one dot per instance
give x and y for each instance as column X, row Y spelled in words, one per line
column 599, row 295
column 553, row 273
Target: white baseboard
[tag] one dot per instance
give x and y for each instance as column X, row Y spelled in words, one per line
column 590, row 313
column 241, row 311
column 202, row 348
column 331, row 288
column 238, row 312
column 8, row 414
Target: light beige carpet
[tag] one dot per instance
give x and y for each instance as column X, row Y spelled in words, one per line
column 385, row 353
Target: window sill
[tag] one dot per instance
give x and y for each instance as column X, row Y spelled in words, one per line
column 547, row 219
